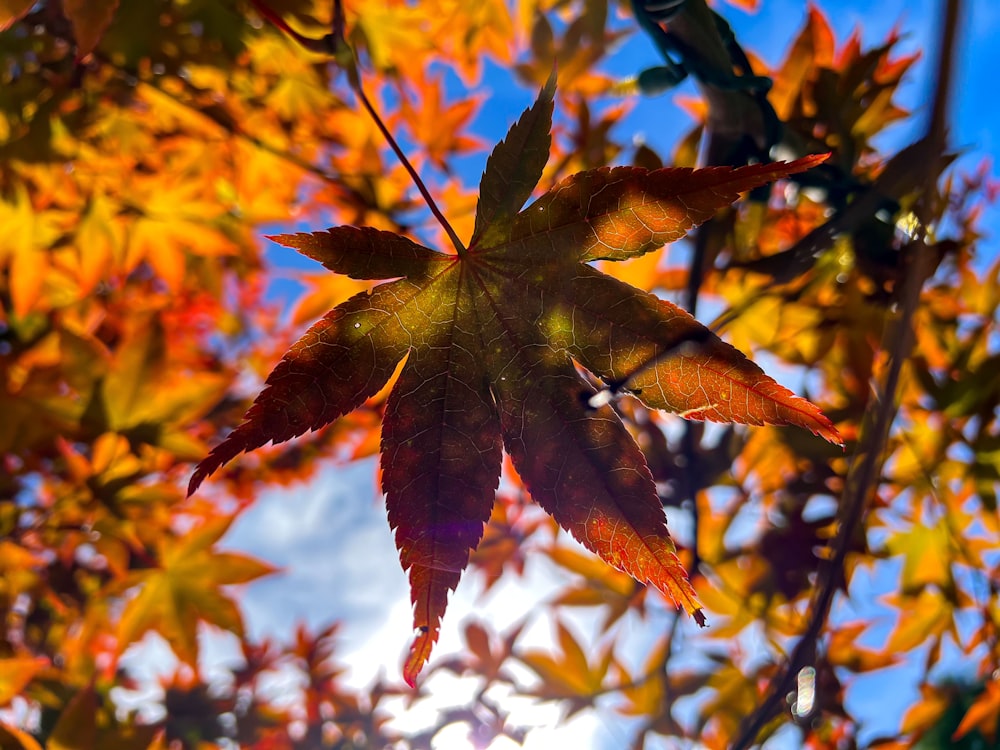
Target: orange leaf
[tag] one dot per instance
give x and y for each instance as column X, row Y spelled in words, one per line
column 813, row 48
column 16, row 673
column 76, row 728
column 186, row 588
column 17, row 739
column 927, row 711
column 843, row 650
column 983, row 714
column 439, row 126
column 89, row 18
column 12, row 10
column 927, row 615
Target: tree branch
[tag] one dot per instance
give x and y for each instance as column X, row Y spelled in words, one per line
column 867, row 464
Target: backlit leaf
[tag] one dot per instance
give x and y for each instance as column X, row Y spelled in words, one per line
column 983, row 715
column 928, row 615
column 185, row 589
column 12, row 10
column 928, row 710
column 439, row 126
column 89, row 18
column 76, row 728
column 516, row 164
column 568, row 672
column 488, row 340
column 17, row 739
column 927, row 557
column 15, row 674
column 814, row 47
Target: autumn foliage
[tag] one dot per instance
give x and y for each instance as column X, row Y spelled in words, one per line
column 549, row 314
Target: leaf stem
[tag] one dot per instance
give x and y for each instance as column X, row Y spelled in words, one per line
column 335, row 45
column 424, row 192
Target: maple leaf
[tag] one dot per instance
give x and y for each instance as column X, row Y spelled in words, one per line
column 490, row 336
column 186, row 588
column 437, row 125
column 569, row 673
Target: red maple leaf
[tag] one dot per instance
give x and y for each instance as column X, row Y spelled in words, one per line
column 490, row 336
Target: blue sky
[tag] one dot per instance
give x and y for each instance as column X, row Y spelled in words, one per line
column 331, row 536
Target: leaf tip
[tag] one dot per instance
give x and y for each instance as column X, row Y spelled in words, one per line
column 420, row 652
column 195, row 482
column 699, row 617
column 223, row 453
column 293, row 241
column 549, row 89
column 807, row 162
column 205, row 468
column 825, row 429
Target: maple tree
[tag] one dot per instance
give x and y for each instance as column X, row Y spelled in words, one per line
column 146, row 146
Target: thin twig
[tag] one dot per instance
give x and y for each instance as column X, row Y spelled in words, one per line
column 335, row 45
column 863, row 474
column 455, row 241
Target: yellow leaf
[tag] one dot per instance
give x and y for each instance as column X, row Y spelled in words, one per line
column 396, row 35
column 646, row 693
column 300, row 96
column 27, row 234
column 325, row 291
column 568, row 673
column 927, row 557
column 181, row 215
column 640, row 273
column 265, row 185
column 597, row 572
column 143, row 394
column 925, row 616
column 113, row 459
column 736, row 696
column 467, row 32
column 99, row 242
column 186, row 589
column 16, row 673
